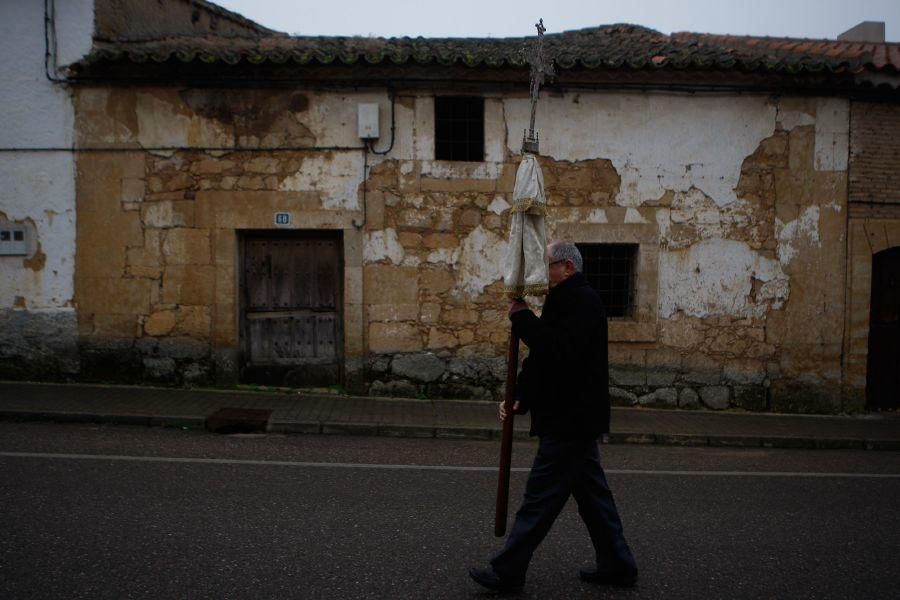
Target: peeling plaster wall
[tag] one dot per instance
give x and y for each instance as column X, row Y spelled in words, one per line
column 37, row 318
column 736, row 204
column 657, row 143
column 715, row 278
column 748, row 196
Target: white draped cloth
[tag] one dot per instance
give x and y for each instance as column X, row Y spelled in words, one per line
column 526, row 260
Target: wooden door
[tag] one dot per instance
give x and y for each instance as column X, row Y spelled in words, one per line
column 291, row 318
column 883, row 372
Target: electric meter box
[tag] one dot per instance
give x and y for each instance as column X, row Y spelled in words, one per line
column 368, row 121
column 12, row 241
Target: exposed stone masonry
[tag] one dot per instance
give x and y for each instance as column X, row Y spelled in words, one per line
column 741, row 302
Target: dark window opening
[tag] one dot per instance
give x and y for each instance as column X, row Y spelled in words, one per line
column 19, row 236
column 459, row 128
column 4, row 236
column 612, row 270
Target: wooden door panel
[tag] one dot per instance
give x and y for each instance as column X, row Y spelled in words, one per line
column 281, row 280
column 291, row 314
column 256, row 275
column 325, row 336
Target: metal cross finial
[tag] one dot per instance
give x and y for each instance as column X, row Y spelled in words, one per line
column 540, row 68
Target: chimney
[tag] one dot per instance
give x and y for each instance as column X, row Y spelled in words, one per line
column 867, row 31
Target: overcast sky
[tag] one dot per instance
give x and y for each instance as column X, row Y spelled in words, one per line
column 505, row 18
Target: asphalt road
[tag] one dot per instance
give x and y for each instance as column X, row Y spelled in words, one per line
column 117, row 512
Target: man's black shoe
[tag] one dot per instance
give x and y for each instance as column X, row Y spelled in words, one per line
column 615, row 578
column 492, row 581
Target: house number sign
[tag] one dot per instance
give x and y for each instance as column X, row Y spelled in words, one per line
column 282, row 219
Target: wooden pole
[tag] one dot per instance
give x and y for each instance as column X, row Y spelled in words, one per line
column 512, row 365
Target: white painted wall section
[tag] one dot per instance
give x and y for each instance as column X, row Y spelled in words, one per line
column 715, row 278
column 39, row 187
column 655, row 142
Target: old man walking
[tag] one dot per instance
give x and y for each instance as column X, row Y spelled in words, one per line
column 564, row 384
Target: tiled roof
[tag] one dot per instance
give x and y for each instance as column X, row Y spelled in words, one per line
column 611, row 47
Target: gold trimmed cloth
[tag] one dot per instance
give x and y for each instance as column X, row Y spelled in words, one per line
column 526, row 260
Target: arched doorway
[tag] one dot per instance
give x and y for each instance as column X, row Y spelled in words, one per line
column 883, row 369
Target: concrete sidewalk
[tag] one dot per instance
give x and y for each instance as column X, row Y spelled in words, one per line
column 303, row 412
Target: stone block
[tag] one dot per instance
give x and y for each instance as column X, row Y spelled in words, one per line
column 660, row 397
column 436, row 281
column 793, row 396
column 115, row 326
column 424, row 367
column 715, row 396
column 182, row 246
column 168, row 214
column 439, row 339
column 183, row 347
column 701, row 369
column 380, row 365
column 750, row 397
column 195, row 374
column 113, row 296
column 193, row 321
column 688, row 398
column 262, row 164
column 396, row 389
column 212, row 166
column 387, row 338
column 132, row 189
column 393, row 312
column 663, row 357
column 470, row 218
column 160, row 323
column 459, row 316
column 142, row 259
column 410, row 240
column 453, row 390
column 430, row 184
column 375, row 211
column 627, row 376
column 225, row 324
column 434, row 241
column 621, row 397
column 102, row 239
column 430, row 312
column 661, row 376
column 415, row 219
column 625, row 355
column 386, row 284
column 744, row 372
column 681, row 333
column 189, row 285
column 159, row 368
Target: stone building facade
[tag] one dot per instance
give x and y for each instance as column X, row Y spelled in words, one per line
column 212, row 168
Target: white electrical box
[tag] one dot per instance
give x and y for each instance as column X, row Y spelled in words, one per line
column 12, row 241
column 368, row 121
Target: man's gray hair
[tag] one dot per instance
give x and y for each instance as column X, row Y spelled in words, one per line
column 566, row 250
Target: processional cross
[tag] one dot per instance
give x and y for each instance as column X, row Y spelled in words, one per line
column 540, row 68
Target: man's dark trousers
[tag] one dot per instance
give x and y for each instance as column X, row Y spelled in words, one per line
column 563, row 467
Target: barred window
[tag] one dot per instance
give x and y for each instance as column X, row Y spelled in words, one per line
column 459, row 128
column 612, row 270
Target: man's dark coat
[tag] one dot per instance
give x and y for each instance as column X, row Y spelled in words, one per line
column 565, row 379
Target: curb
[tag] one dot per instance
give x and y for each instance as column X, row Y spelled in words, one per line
column 179, row 421
column 195, row 422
